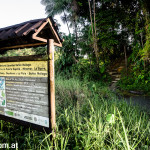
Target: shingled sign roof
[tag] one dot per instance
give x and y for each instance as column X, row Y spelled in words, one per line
column 29, row 34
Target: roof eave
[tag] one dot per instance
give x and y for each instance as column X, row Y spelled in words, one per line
column 36, row 37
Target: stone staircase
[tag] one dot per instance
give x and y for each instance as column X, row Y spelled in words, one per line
column 115, row 73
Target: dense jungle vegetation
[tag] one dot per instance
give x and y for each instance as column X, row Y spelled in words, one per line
column 89, row 114
column 104, row 31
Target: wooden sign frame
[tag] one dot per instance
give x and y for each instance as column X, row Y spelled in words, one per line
column 51, row 88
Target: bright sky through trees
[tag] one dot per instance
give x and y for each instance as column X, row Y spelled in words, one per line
column 18, row 11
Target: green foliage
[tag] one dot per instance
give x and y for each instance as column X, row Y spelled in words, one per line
column 89, row 116
column 25, row 52
column 40, row 50
column 68, row 93
column 67, row 56
column 110, row 118
column 19, row 52
column 70, row 63
column 137, row 80
column 119, row 24
column 97, row 120
column 85, row 69
column 108, row 34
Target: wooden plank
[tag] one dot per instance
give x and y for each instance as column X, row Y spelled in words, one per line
column 34, row 36
column 56, row 43
column 32, row 98
column 31, row 118
column 21, row 28
column 31, row 109
column 40, row 90
column 26, row 84
column 24, row 68
column 27, row 79
column 54, row 33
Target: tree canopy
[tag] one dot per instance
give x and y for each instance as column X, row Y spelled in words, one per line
column 106, row 30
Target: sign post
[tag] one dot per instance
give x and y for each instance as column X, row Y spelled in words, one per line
column 52, row 84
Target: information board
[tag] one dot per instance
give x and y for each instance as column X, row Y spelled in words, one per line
column 24, row 91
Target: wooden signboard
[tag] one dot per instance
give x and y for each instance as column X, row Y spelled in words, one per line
column 27, row 87
column 24, row 93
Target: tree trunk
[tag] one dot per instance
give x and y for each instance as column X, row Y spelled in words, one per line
column 94, row 34
column 76, row 34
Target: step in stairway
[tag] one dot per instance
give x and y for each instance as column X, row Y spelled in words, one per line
column 115, row 73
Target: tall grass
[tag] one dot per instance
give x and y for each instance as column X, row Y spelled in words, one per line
column 89, row 116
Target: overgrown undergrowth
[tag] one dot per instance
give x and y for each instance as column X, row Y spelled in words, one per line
column 89, row 116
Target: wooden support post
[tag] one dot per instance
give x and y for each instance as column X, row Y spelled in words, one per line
column 52, row 85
